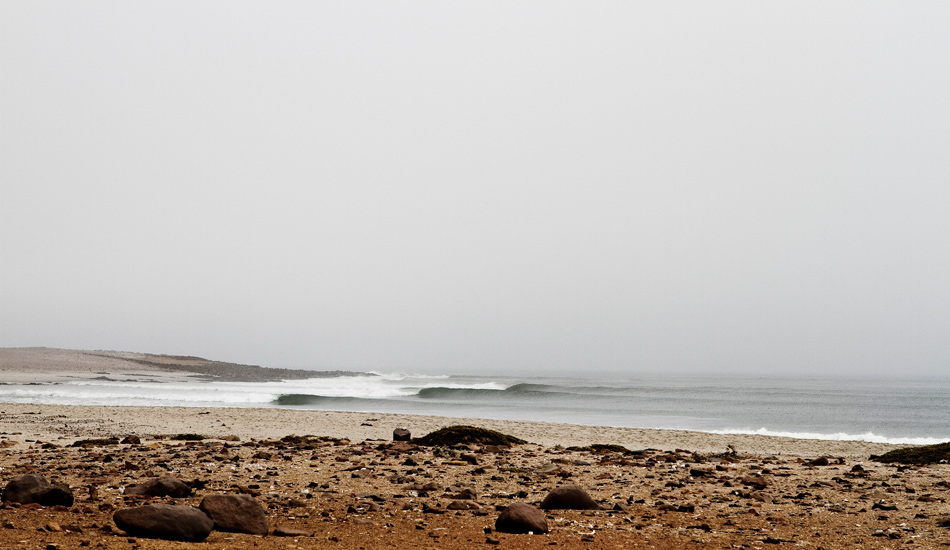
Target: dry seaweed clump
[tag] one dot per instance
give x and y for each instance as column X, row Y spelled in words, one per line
column 467, row 435
column 599, row 448
column 924, row 454
column 301, row 442
column 95, row 442
column 187, row 437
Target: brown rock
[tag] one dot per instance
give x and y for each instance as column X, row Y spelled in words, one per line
column 58, row 495
column 570, row 497
column 402, row 434
column 465, row 494
column 161, row 487
column 26, row 489
column 235, row 513
column 521, row 518
column 401, row 504
column 758, row 482
column 164, row 521
column 402, row 447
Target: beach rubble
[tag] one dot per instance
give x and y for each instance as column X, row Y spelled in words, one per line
column 352, row 487
column 378, row 494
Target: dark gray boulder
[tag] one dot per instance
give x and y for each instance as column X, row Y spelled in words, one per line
column 235, row 513
column 521, row 518
column 26, row 489
column 161, row 487
column 402, row 434
column 58, row 495
column 165, row 521
column 570, row 497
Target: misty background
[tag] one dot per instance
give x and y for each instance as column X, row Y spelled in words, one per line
column 518, row 187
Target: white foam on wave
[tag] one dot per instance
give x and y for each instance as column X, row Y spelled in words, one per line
column 138, row 394
column 382, row 387
column 400, row 376
column 869, row 437
column 223, row 394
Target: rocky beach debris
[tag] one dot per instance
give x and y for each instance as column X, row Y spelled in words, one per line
column 458, row 494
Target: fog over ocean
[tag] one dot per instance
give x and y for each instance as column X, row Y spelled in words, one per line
column 525, row 187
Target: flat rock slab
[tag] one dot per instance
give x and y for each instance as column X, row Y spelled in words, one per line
column 235, row 513
column 291, row 532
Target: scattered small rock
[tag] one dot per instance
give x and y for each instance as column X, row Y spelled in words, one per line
column 282, row 531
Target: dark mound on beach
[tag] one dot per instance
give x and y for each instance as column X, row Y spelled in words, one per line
column 925, row 454
column 467, row 435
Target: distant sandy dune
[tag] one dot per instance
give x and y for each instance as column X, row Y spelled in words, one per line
column 44, row 365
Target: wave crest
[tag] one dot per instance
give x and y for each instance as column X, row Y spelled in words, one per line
column 869, row 437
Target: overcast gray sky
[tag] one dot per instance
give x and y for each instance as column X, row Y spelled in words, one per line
column 757, row 187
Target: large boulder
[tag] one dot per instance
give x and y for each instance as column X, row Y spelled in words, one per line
column 570, row 497
column 161, row 487
column 521, row 518
column 165, row 521
column 235, row 513
column 58, row 495
column 26, row 489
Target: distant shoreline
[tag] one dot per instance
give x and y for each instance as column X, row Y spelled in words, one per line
column 105, row 378
column 39, row 365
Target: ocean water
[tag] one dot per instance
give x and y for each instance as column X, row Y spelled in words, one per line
column 892, row 410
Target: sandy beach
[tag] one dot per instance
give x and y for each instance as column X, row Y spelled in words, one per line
column 64, row 424
column 348, row 485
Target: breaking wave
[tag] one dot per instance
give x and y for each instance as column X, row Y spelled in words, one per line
column 881, row 411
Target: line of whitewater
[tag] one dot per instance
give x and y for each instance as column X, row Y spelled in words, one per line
column 544, row 399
